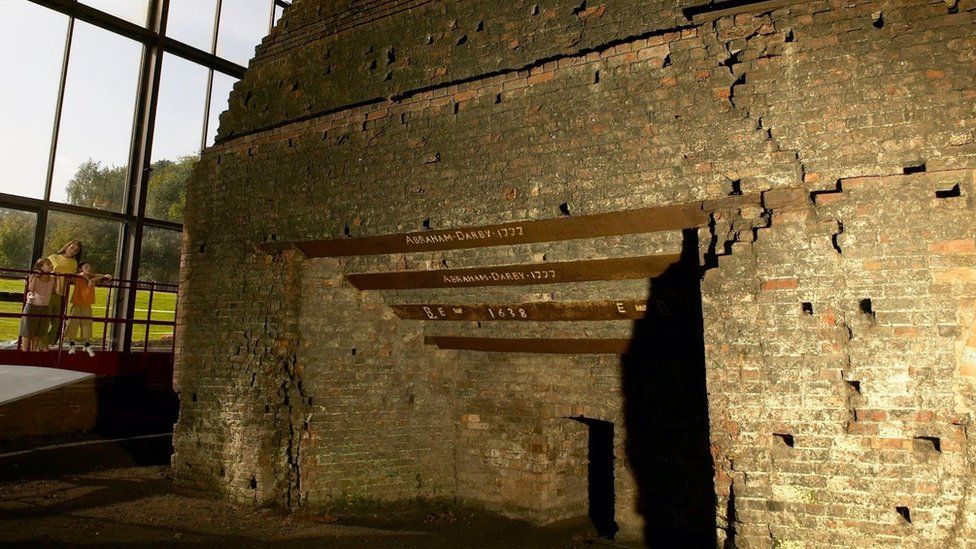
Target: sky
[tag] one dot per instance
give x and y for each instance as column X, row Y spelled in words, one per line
column 99, row 96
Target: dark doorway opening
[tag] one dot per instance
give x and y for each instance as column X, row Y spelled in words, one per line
column 599, row 475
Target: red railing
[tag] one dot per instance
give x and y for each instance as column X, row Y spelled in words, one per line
column 108, row 319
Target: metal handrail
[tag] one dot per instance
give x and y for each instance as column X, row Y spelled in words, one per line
column 112, row 285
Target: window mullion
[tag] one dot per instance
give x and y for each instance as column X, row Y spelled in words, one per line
column 59, row 105
column 139, row 165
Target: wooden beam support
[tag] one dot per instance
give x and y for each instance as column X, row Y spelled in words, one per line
column 646, row 220
column 623, row 268
column 621, row 309
column 542, row 346
column 714, row 10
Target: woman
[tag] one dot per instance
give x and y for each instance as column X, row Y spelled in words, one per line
column 65, row 263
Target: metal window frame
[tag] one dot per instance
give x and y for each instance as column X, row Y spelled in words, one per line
column 132, row 218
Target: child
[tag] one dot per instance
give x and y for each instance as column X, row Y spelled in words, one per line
column 40, row 285
column 82, row 299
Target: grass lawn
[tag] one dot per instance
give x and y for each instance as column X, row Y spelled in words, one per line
column 163, row 308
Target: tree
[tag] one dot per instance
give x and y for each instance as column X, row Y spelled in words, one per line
column 16, row 239
column 167, row 188
column 95, row 186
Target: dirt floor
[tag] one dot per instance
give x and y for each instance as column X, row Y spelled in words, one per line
column 110, row 493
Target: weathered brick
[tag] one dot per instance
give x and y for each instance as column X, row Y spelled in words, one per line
column 313, row 394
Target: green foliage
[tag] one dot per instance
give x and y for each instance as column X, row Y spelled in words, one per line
column 104, row 187
column 16, row 238
column 99, row 237
column 97, row 187
column 167, row 188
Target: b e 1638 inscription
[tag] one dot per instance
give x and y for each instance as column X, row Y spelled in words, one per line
column 544, row 346
column 622, row 309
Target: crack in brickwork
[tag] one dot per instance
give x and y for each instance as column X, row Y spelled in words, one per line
column 848, row 340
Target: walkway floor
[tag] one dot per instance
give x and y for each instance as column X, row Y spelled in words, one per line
column 119, row 492
column 17, row 382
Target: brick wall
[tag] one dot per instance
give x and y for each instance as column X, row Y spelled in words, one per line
column 298, row 389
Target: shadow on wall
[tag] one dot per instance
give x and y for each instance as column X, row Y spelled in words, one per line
column 666, row 410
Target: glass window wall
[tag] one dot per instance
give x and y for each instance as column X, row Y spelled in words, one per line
column 178, row 136
column 79, row 106
column 242, row 25
column 134, row 11
column 192, row 22
column 95, row 135
column 17, row 239
column 28, row 105
column 219, row 96
column 100, row 239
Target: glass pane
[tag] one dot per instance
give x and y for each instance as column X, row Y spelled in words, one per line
column 37, row 36
column 219, row 96
column 96, row 121
column 279, row 11
column 176, row 141
column 135, row 11
column 16, row 247
column 99, row 239
column 192, row 22
column 16, row 239
column 160, row 262
column 243, row 23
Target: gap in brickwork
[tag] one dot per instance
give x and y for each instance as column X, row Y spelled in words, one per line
column 807, row 308
column 905, row 513
column 954, row 192
column 784, row 439
column 735, row 188
column 877, row 20
column 927, row 444
column 866, row 307
column 914, row 168
column 835, row 238
column 838, row 188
